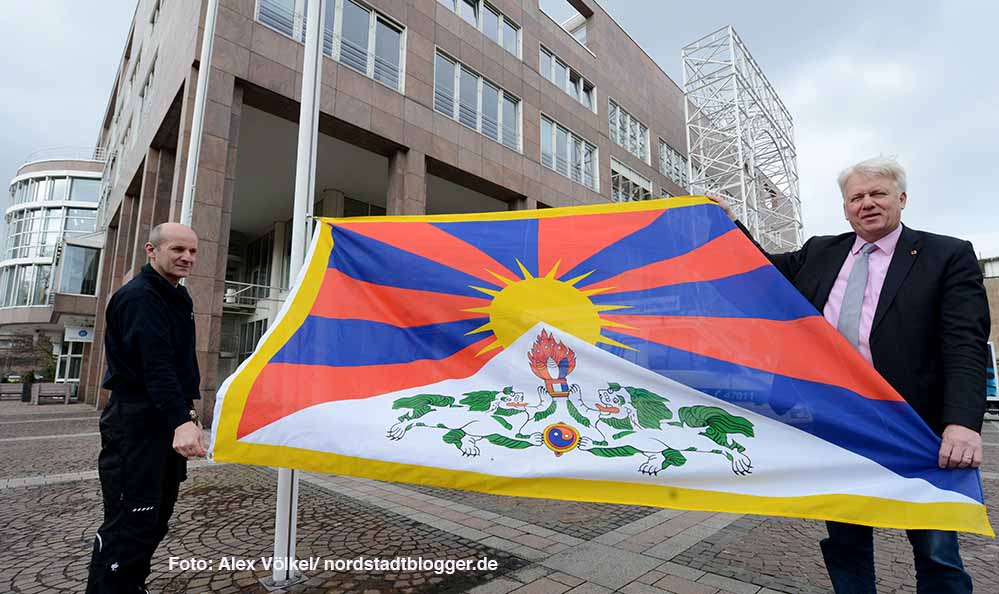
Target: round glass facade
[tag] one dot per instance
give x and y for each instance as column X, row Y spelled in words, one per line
column 43, row 209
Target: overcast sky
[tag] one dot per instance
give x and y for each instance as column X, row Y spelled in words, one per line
column 915, row 79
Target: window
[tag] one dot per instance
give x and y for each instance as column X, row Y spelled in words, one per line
column 664, row 193
column 59, row 185
column 493, row 23
column 146, row 85
column 40, row 289
column 85, row 190
column 354, row 47
column 565, row 78
column 469, row 10
column 249, row 334
column 627, row 185
column 444, row 86
column 80, row 220
column 70, row 362
column 672, row 164
column 354, row 34
column 357, row 208
column 388, row 54
column 79, row 270
column 135, row 68
column 628, row 132
column 154, row 16
column 279, row 14
column 42, row 189
column 568, row 154
column 480, row 105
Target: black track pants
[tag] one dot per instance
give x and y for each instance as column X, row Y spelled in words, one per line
column 140, row 476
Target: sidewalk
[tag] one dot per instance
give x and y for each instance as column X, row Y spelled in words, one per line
column 51, row 506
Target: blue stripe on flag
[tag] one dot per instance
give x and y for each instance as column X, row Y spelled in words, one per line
column 344, row 343
column 889, row 433
column 376, row 262
column 505, row 241
column 675, row 232
column 760, row 293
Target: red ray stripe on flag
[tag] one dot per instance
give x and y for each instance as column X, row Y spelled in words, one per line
column 301, row 386
column 573, row 239
column 723, row 256
column 806, row 348
column 346, row 298
column 423, row 239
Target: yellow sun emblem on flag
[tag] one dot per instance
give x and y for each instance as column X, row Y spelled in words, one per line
column 523, row 303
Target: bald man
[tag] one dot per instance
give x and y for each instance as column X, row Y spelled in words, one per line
column 149, row 428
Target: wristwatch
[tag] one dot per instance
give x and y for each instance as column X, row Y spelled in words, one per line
column 194, row 417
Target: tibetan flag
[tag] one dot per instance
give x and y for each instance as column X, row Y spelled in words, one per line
column 642, row 353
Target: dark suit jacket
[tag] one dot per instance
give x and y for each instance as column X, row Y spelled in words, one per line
column 931, row 323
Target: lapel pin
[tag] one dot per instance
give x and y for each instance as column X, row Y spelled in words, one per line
column 913, row 252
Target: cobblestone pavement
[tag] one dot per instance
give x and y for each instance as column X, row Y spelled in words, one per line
column 50, row 502
column 582, row 520
column 744, row 550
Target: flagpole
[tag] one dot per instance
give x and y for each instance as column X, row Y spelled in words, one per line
column 286, row 511
column 197, row 122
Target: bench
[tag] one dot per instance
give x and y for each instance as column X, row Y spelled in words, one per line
column 51, row 390
column 10, row 391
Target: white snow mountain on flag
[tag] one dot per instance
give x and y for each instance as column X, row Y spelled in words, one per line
column 603, row 418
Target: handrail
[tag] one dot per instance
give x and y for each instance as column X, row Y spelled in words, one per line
column 67, row 153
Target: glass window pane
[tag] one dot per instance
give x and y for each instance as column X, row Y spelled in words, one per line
column 490, row 111
column 562, row 151
column 545, row 64
column 42, row 189
column 491, row 24
column 448, row 3
column 328, row 24
column 574, row 85
column 354, row 49
column 588, row 178
column 387, row 48
column 444, row 86
column 23, row 283
column 468, row 99
column 74, row 368
column 279, row 14
column 41, row 287
column 470, row 11
column 79, row 270
column 547, row 154
column 59, row 188
column 80, row 220
column 560, row 74
column 510, row 35
column 587, row 97
column 511, row 128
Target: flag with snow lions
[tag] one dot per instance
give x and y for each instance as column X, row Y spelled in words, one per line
column 641, row 353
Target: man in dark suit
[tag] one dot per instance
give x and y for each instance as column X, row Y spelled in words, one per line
column 914, row 305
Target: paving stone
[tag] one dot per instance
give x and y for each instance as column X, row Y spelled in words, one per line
column 566, row 579
column 590, row 588
column 530, row 573
column 601, row 564
column 542, row 586
column 681, row 570
column 640, row 588
column 679, row 585
column 728, row 584
column 498, row 586
column 228, row 510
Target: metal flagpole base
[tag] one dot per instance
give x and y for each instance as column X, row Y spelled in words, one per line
column 270, row 585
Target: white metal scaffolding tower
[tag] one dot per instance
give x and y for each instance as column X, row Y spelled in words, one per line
column 740, row 138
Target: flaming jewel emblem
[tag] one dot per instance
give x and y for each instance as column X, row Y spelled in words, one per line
column 552, row 362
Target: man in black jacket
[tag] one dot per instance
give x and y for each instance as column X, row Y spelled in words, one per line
column 914, row 305
column 149, row 427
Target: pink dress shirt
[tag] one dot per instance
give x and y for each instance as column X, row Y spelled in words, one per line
column 878, row 262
